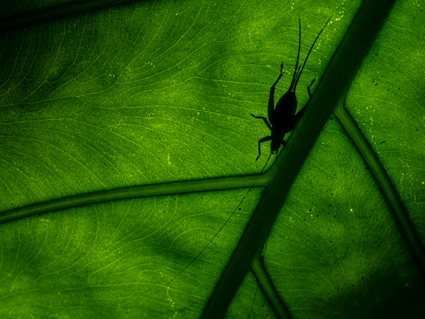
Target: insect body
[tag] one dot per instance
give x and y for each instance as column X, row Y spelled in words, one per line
column 282, row 118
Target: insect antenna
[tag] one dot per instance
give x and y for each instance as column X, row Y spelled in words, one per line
column 296, row 69
column 311, row 48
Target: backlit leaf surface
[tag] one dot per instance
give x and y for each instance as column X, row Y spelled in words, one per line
column 161, row 91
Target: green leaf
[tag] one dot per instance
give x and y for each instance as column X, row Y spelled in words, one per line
column 128, row 148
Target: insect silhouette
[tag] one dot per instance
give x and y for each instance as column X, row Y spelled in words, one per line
column 282, row 118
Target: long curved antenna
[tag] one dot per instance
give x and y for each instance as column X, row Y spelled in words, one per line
column 294, row 77
column 299, row 74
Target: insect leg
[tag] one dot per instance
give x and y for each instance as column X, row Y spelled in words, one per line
column 280, row 75
column 271, row 97
column 264, row 119
column 308, row 87
column 264, row 139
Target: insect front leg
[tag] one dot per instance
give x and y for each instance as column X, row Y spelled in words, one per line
column 264, row 119
column 271, row 97
column 264, row 139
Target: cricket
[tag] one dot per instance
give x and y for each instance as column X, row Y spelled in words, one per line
column 282, row 118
